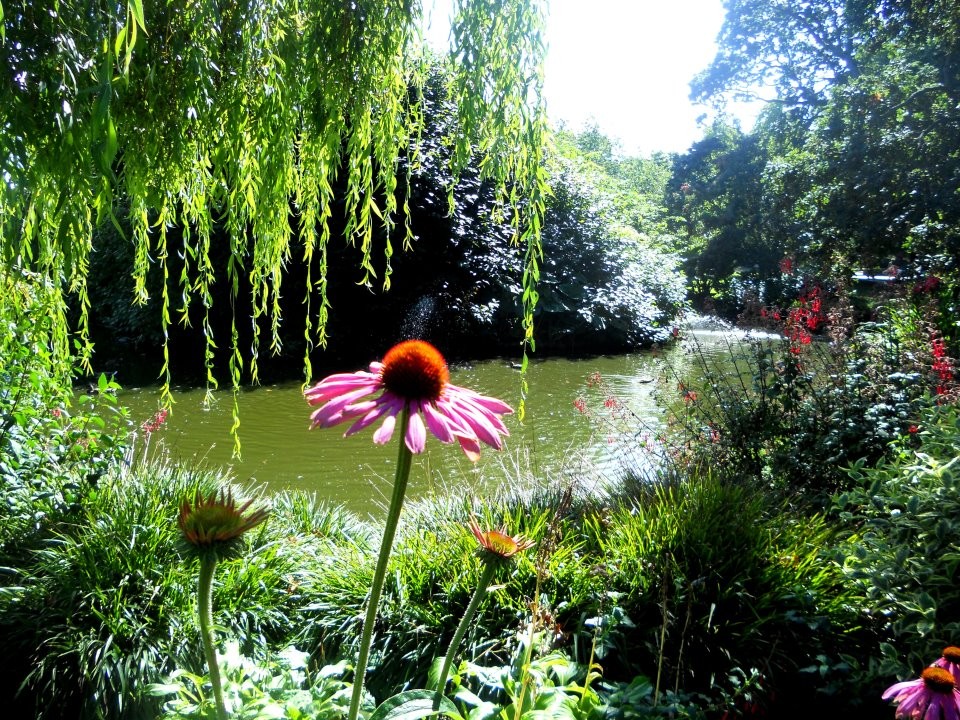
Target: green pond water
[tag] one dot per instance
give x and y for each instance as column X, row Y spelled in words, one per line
column 556, row 440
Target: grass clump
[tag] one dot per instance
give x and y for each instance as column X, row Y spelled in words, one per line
column 104, row 604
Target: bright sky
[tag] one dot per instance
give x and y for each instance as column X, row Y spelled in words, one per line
column 627, row 65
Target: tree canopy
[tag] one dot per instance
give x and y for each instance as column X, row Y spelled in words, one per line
column 242, row 117
column 853, row 164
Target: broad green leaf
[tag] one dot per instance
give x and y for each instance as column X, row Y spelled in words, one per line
column 415, row 704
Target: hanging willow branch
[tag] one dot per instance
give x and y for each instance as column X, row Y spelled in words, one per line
column 240, row 117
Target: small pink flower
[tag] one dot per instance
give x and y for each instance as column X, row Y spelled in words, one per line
column 933, row 697
column 414, row 377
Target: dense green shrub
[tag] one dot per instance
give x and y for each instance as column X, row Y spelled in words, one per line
column 736, row 589
column 716, row 584
column 691, row 581
column 904, row 550
column 284, row 686
column 54, row 444
column 793, row 416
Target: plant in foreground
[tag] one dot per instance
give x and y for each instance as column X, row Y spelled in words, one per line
column 279, row 688
column 932, row 697
column 497, row 548
column 212, row 528
column 413, row 381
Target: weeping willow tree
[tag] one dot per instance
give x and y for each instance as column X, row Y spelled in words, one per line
column 233, row 121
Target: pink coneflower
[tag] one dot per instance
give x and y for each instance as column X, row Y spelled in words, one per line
column 933, row 697
column 413, row 376
column 950, row 661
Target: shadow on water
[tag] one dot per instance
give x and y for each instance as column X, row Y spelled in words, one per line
column 279, row 450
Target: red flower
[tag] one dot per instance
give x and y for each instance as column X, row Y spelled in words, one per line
column 154, row 423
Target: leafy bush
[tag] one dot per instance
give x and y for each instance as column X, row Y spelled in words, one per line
column 603, row 287
column 904, row 515
column 715, row 583
column 54, row 446
column 283, row 687
column 792, row 416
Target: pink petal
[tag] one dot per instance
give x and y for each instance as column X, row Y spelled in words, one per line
column 479, row 425
column 416, row 433
column 488, row 403
column 476, row 405
column 333, row 412
column 377, row 411
column 470, row 446
column 336, row 385
column 895, row 690
column 437, row 423
column 385, row 431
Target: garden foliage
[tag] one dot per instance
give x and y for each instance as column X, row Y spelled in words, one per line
column 903, row 555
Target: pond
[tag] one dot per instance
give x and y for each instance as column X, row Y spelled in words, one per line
column 279, row 451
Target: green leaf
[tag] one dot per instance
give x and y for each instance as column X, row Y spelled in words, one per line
column 415, row 704
column 136, row 7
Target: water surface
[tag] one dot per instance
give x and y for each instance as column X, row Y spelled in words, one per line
column 280, row 451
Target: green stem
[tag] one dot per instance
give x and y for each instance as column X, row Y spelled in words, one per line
column 489, row 568
column 208, row 563
column 527, row 654
column 404, row 459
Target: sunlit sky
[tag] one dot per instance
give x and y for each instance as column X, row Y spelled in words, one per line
column 626, row 65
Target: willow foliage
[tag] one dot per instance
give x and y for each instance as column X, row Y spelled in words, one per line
column 241, row 115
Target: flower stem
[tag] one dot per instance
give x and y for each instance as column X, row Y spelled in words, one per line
column 208, row 563
column 486, row 575
column 404, row 459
